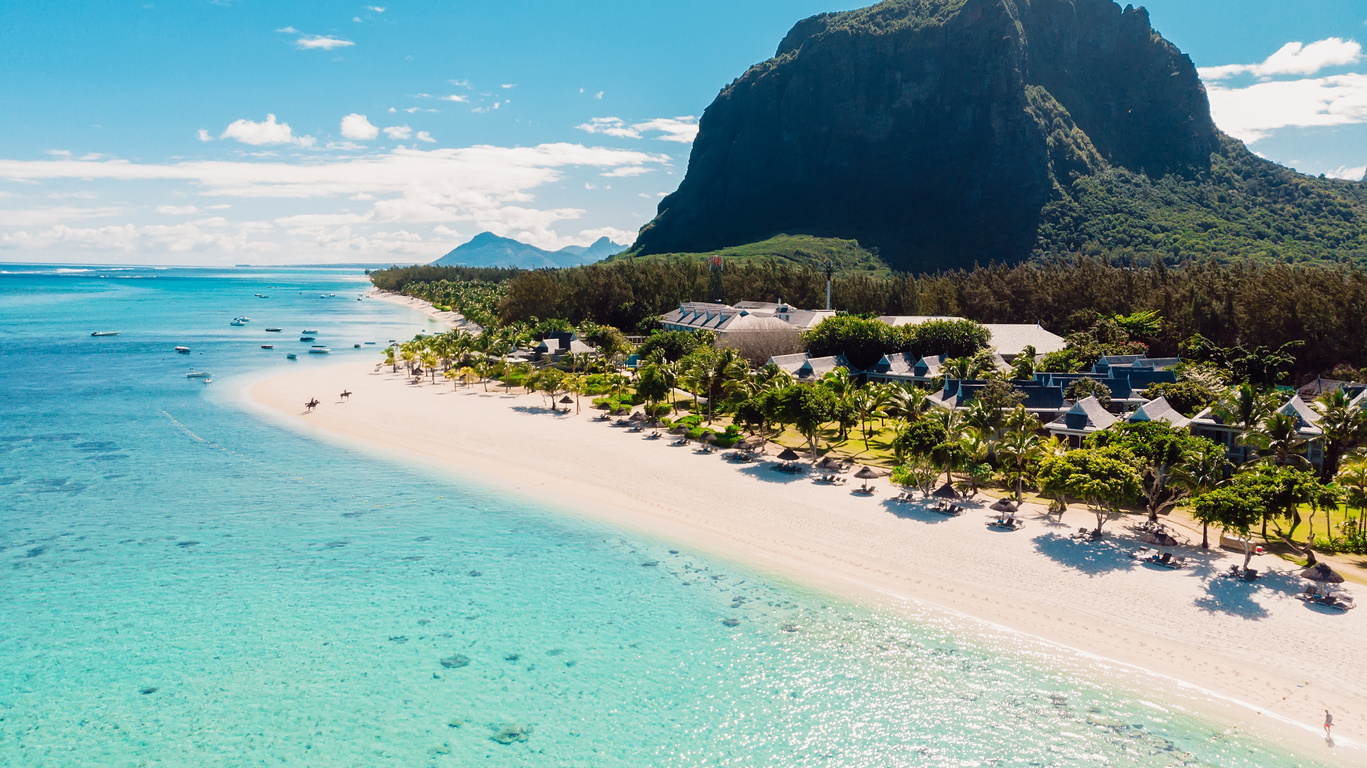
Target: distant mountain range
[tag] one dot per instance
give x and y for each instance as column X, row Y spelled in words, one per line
column 490, row 250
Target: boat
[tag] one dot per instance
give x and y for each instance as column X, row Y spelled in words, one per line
column 274, row 330
column 198, row 375
column 319, row 349
column 308, row 332
column 306, row 338
column 106, row 333
column 268, row 346
column 370, row 342
column 206, row 381
column 291, row 356
column 183, row 350
column 262, row 296
column 355, row 346
column 237, row 321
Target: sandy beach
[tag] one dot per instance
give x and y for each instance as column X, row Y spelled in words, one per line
column 1268, row 664
column 452, row 320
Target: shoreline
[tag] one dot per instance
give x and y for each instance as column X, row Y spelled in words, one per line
column 1176, row 631
column 452, row 320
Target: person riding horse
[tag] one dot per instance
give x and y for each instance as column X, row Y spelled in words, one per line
column 345, row 394
column 311, row 404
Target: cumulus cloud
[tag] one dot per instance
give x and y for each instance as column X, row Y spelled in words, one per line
column 321, row 42
column 356, row 126
column 401, row 195
column 1358, row 173
column 455, row 97
column 264, row 133
column 1254, row 112
column 1293, row 59
column 375, row 8
column 425, row 136
column 398, row 132
column 678, row 129
column 203, row 135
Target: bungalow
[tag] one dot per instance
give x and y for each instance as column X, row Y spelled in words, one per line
column 1085, row 417
column 1214, row 425
column 1159, row 410
column 557, row 345
column 804, row 367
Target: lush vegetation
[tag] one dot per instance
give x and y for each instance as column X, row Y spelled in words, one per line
column 474, row 292
column 787, row 250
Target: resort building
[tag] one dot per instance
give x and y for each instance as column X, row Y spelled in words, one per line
column 1159, row 410
column 1083, row 418
column 1213, row 425
column 557, row 345
column 1008, row 339
column 804, row 367
column 747, row 316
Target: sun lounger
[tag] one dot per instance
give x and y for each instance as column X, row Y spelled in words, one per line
column 1174, row 562
column 653, row 436
column 1009, row 524
column 1244, row 574
column 1085, row 536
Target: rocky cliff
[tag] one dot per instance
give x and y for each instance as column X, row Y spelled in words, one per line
column 937, row 131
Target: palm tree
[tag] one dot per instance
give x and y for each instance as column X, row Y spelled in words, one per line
column 391, row 360
column 951, row 452
column 1354, row 480
column 1201, row 472
column 907, row 402
column 867, row 405
column 576, row 384
column 408, row 352
column 1345, row 428
column 1243, row 406
column 452, row 374
column 429, row 361
column 468, row 372
column 1017, row 450
column 1277, row 440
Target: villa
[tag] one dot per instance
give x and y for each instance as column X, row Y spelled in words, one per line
column 744, row 316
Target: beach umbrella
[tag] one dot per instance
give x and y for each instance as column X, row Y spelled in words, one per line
column 638, row 416
column 866, row 474
column 946, row 491
column 679, row 430
column 655, row 423
column 788, row 455
column 1004, row 505
column 567, row 399
column 708, row 437
column 1159, row 539
column 1322, row 573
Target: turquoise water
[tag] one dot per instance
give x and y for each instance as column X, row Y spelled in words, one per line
column 182, row 584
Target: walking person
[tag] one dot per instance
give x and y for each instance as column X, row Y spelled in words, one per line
column 1328, row 723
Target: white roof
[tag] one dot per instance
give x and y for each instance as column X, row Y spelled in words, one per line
column 1013, row 338
column 898, row 320
column 1160, row 410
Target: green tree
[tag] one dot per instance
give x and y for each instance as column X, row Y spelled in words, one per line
column 808, row 407
column 1103, row 483
column 1277, row 440
column 1345, row 429
column 1162, row 450
column 862, row 341
column 953, row 338
column 1081, row 389
column 1232, row 509
column 670, row 345
column 1201, row 472
column 918, row 438
column 652, row 385
column 1187, row 397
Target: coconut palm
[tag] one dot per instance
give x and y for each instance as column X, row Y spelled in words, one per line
column 907, row 402
column 452, row 374
column 1018, row 450
column 1201, row 472
column 391, row 360
column 1345, row 428
column 1277, row 440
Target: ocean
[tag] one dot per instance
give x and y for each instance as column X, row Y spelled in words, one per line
column 183, row 583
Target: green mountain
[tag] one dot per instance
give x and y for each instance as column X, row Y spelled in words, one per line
column 940, row 133
column 489, row 250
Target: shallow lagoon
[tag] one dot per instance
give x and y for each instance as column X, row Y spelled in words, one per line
column 183, row 584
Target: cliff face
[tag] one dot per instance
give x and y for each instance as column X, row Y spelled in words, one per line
column 935, row 130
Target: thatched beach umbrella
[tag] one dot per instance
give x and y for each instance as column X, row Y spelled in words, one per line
column 788, row 455
column 1160, row 540
column 708, row 437
column 866, row 474
column 946, row 491
column 638, row 416
column 1323, row 574
column 1003, row 505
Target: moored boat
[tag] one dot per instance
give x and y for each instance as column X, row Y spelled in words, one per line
column 319, row 349
column 106, row 333
column 274, row 330
column 183, row 350
column 308, row 332
column 268, row 346
column 291, row 356
column 306, row 338
column 198, row 375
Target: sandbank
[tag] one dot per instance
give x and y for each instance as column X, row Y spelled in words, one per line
column 1262, row 660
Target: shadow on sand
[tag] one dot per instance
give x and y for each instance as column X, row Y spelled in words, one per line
column 1091, row 558
column 766, row 472
column 915, row 510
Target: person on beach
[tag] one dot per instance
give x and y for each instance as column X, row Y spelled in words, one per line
column 1328, row 723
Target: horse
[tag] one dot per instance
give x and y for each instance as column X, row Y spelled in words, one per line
column 310, row 405
column 345, row 394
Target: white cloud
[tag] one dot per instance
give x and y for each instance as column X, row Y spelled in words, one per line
column 203, row 135
column 177, row 210
column 358, row 127
column 460, row 83
column 37, row 217
column 321, row 42
column 628, row 171
column 598, row 95
column 1254, row 112
column 1294, row 59
column 401, row 194
column 264, row 133
column 288, row 30
column 678, row 129
column 425, row 136
column 455, row 97
column 1351, row 174
column 375, row 8
column 398, row 132
column 508, row 86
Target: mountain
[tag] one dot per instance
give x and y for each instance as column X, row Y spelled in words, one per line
column 940, row 133
column 489, row 250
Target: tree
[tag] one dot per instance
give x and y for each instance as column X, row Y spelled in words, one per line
column 1244, row 406
column 1161, row 450
column 609, row 341
column 868, row 403
column 918, row 472
column 671, row 345
column 862, row 341
column 918, row 438
column 1023, row 367
column 1233, row 510
column 1086, row 387
column 652, row 385
column 390, row 360
column 1103, row 483
column 429, row 361
column 1201, row 472
column 1017, row 450
column 1280, row 490
column 1345, row 428
column 1277, row 440
column 808, row 407
column 1187, row 397
column 1354, row 482
column 954, row 338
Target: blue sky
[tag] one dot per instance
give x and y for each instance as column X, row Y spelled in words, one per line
column 231, row 131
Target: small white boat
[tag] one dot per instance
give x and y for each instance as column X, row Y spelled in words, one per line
column 237, row 322
column 268, row 346
column 206, row 381
column 274, row 330
column 307, row 332
column 198, row 375
column 262, row 296
column 106, row 333
column 183, row 350
column 318, row 349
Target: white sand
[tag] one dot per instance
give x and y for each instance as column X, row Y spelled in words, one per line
column 452, row 320
column 1254, row 647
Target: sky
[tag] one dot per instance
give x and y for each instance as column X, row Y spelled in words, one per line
column 207, row 132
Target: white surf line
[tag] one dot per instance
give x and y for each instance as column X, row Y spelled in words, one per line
column 1185, row 684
